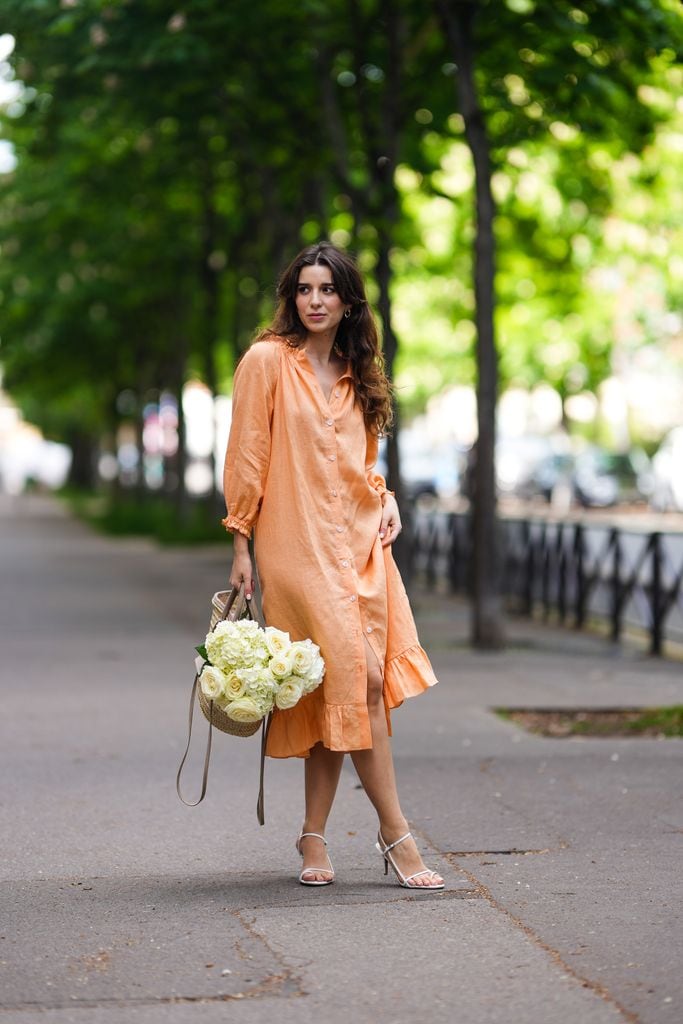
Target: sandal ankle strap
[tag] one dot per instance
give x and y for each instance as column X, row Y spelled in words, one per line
column 408, row 835
column 316, row 834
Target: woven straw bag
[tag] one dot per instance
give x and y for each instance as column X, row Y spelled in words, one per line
column 232, row 605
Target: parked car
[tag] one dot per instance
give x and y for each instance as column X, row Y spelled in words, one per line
column 519, row 460
column 667, row 473
column 603, row 478
column 552, row 479
column 427, row 470
column 527, row 466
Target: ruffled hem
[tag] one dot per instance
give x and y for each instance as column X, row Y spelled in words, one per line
column 346, row 727
column 232, row 523
column 343, row 727
column 407, row 675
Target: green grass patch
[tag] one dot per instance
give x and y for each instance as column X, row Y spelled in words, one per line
column 650, row 722
column 154, row 516
column 668, row 721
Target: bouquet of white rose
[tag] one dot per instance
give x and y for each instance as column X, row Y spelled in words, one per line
column 248, row 670
column 244, row 671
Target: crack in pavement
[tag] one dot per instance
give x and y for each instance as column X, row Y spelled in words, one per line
column 282, row 983
column 288, row 975
column 266, row 987
column 512, row 852
column 483, row 892
column 554, row 954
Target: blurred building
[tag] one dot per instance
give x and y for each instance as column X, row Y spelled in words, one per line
column 25, row 456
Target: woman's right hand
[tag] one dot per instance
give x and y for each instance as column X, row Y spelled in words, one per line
column 242, row 571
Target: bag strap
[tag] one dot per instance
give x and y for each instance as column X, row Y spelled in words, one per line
column 207, row 755
column 260, row 808
column 265, row 726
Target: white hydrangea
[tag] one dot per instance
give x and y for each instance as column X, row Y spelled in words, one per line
column 233, row 644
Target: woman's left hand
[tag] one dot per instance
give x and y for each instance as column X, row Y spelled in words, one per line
column 390, row 526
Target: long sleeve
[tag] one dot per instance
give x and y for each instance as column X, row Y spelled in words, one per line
column 375, row 479
column 248, row 453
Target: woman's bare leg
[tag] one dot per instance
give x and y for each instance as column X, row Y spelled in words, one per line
column 322, row 771
column 375, row 769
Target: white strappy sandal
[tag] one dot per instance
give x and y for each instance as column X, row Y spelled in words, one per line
column 322, row 871
column 405, row 880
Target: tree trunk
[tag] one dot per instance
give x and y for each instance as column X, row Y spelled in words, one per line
column 209, row 280
column 401, row 547
column 140, row 489
column 178, row 367
column 487, row 629
column 390, row 346
column 82, row 468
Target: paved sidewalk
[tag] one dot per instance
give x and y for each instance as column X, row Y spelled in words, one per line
column 563, row 857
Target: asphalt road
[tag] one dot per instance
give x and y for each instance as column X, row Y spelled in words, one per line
column 119, row 904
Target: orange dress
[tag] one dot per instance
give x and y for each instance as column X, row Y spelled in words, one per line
column 299, row 472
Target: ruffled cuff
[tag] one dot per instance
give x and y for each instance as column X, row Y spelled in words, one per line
column 378, row 483
column 233, row 524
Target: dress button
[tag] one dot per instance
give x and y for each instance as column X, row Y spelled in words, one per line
column 345, row 563
column 331, row 458
column 333, row 493
column 339, row 529
column 369, row 629
column 330, row 423
column 336, row 394
column 353, row 597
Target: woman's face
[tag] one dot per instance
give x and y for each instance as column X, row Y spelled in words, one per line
column 318, row 303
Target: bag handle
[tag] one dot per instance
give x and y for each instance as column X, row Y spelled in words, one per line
column 260, row 809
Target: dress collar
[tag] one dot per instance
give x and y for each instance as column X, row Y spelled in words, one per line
column 301, row 357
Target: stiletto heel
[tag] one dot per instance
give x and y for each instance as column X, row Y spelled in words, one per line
column 403, row 880
column 322, row 871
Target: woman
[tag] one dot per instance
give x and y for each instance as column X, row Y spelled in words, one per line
column 310, row 399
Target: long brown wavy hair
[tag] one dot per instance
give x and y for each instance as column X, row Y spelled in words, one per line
column 356, row 340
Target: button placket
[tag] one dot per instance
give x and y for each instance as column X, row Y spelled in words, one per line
column 329, row 453
column 345, row 562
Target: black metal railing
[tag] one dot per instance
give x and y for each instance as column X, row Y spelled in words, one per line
column 576, row 571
